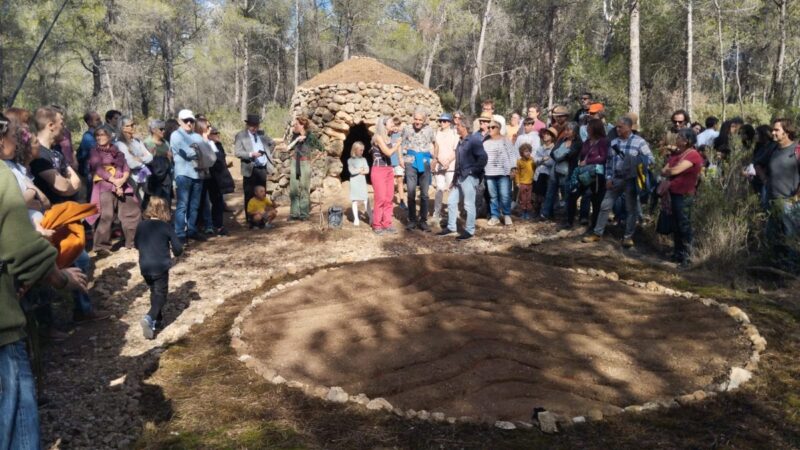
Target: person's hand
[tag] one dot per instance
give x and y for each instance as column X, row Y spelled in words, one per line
column 254, row 155
column 47, row 234
column 76, row 280
column 581, row 163
column 301, row 138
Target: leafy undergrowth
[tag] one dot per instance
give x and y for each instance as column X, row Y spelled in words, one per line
column 202, row 396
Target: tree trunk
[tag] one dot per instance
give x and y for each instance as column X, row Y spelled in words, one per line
column 297, row 44
column 13, row 97
column 110, row 87
column 777, row 73
column 97, row 79
column 245, row 100
column 723, row 94
column 477, row 73
column 738, row 80
column 236, row 81
column 689, row 55
column 635, row 86
column 551, row 85
column 169, row 78
column 426, row 79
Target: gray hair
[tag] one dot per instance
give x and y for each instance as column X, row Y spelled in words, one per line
column 155, row 124
column 626, row 120
column 123, row 121
column 421, row 111
column 574, row 127
column 466, row 121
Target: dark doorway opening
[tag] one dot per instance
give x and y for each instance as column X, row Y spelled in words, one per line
column 358, row 132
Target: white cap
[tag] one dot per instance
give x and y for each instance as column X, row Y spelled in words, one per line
column 186, row 114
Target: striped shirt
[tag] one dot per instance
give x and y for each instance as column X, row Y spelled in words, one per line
column 501, row 157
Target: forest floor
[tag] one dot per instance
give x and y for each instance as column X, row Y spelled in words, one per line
column 107, row 387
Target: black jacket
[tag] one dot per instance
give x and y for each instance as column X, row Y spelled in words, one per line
column 220, row 173
column 471, row 158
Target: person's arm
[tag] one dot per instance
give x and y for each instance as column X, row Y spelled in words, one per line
column 479, row 153
column 175, row 242
column 26, row 255
column 96, row 167
column 62, row 185
column 239, row 149
column 678, row 169
column 71, row 279
column 385, row 149
column 144, row 154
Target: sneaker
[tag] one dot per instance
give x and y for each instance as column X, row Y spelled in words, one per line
column 445, row 232
column 565, row 226
column 464, row 236
column 198, row 237
column 494, row 221
column 209, row 232
column 584, row 221
column 627, row 242
column 378, row 231
column 411, row 225
column 355, row 224
column 91, row 316
column 390, row 230
column 591, row 238
column 507, row 221
column 148, row 327
column 222, row 231
column 185, row 240
column 268, row 226
column 424, row 227
column 525, row 216
column 437, row 218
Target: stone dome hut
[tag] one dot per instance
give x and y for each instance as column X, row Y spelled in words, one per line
column 345, row 102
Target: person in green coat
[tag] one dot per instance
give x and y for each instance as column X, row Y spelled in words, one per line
column 25, row 259
column 305, row 148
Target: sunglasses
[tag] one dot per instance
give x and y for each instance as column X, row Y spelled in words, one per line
column 188, row 121
column 586, row 98
column 494, row 127
column 678, row 122
column 444, row 121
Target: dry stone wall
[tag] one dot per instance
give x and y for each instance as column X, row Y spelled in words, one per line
column 334, row 109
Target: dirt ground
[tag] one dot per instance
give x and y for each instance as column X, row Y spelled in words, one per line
column 491, row 337
column 107, row 387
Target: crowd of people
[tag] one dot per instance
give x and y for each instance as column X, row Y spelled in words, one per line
column 580, row 167
column 59, row 203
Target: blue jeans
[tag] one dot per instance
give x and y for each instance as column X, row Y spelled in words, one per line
column 499, row 187
column 83, row 303
column 555, row 184
column 189, row 196
column 416, row 178
column 19, row 416
column 466, row 188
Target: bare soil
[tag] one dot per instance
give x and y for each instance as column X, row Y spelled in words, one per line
column 491, row 337
column 358, row 69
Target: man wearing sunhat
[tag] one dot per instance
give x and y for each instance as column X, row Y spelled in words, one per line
column 444, row 160
column 255, row 152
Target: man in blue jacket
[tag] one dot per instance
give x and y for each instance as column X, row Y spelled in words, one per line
column 470, row 161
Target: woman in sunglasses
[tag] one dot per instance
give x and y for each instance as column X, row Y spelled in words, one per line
column 501, row 159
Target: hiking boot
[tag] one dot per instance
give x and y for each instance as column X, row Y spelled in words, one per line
column 54, row 335
column 424, row 227
column 507, row 221
column 591, row 238
column 464, row 236
column 445, row 232
column 584, row 221
column 198, row 237
column 91, row 316
column 627, row 242
column 390, row 230
column 148, row 327
column 410, row 226
column 378, row 231
column 493, row 222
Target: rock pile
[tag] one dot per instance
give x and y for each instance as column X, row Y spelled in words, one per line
column 355, row 92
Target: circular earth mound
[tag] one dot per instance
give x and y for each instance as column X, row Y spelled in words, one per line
column 490, row 337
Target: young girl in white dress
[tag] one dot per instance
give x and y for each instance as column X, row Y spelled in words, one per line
column 359, row 168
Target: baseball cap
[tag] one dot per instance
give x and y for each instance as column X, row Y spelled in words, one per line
column 446, row 116
column 185, row 114
column 595, row 108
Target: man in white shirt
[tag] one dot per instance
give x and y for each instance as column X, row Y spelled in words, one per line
column 255, row 152
column 710, row 133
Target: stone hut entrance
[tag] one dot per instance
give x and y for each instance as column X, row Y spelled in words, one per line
column 346, row 101
column 358, row 132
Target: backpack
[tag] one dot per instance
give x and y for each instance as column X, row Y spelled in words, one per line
column 335, row 217
column 206, row 156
